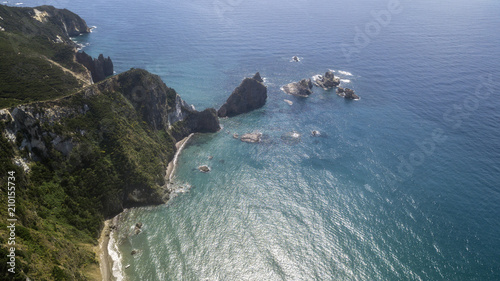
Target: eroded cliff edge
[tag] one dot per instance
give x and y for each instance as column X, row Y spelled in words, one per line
column 124, row 129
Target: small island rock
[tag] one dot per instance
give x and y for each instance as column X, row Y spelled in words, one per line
column 347, row 93
column 251, row 137
column 204, row 169
column 328, row 81
column 249, row 95
column 300, row 89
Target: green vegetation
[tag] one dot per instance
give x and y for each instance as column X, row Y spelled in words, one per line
column 117, row 157
column 64, row 198
column 29, row 68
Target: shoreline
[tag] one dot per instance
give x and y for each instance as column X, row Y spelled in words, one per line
column 105, row 260
column 173, row 164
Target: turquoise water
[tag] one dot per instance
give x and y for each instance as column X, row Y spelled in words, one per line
column 402, row 185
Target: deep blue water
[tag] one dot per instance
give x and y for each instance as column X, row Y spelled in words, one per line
column 402, row 185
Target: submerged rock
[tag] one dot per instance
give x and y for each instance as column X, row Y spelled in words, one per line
column 251, row 137
column 249, row 95
column 328, row 81
column 315, row 133
column 291, row 138
column 347, row 93
column 137, row 228
column 295, row 59
column 300, row 89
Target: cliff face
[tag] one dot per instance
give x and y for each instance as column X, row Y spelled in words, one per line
column 79, row 151
column 58, row 25
column 127, row 117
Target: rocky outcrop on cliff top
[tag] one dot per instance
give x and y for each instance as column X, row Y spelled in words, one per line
column 249, row 95
column 328, row 81
column 99, row 68
column 299, row 89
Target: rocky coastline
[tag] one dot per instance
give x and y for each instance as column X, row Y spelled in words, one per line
column 129, row 127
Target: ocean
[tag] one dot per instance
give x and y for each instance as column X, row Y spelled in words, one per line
column 401, row 185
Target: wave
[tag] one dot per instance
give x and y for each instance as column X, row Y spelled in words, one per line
column 317, row 77
column 345, row 80
column 346, row 73
column 114, row 254
column 19, row 3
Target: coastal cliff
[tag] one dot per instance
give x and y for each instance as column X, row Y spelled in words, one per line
column 87, row 156
column 80, row 151
column 125, row 118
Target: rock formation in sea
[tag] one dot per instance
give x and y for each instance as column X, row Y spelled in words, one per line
column 299, row 89
column 316, row 133
column 204, row 169
column 328, row 81
column 347, row 93
column 251, row 137
column 99, row 68
column 249, row 95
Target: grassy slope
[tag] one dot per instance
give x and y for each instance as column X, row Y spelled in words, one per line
column 25, row 73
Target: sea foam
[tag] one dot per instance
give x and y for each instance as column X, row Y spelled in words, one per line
column 115, row 255
column 346, row 73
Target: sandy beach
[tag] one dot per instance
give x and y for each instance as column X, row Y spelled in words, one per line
column 105, row 260
column 172, row 164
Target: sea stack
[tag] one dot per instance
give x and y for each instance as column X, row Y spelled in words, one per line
column 249, row 95
column 299, row 89
column 347, row 93
column 326, row 82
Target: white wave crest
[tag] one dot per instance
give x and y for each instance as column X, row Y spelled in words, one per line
column 346, row 73
column 317, row 77
column 115, row 255
column 345, row 80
